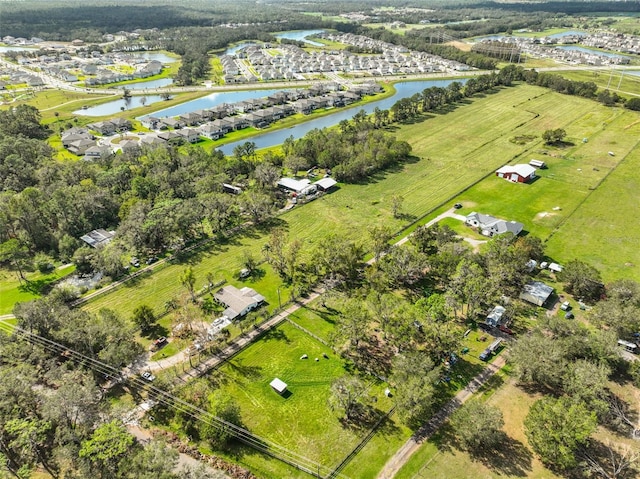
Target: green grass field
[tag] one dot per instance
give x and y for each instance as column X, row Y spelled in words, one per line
column 601, row 232
column 300, row 421
column 452, row 152
column 574, row 203
column 12, row 291
column 623, row 83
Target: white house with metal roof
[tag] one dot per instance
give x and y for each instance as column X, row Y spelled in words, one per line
column 490, row 225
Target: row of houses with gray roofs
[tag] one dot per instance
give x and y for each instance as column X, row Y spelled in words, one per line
column 260, row 112
column 568, row 54
column 294, row 62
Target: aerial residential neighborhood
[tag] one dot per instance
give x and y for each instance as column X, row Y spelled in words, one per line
column 353, row 240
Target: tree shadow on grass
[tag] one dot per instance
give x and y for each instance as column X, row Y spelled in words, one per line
column 155, row 331
column 277, row 335
column 39, row 286
column 249, row 372
column 326, row 316
column 510, row 458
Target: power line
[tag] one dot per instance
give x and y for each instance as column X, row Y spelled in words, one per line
column 160, row 396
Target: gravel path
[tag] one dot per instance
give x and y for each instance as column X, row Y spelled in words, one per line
column 403, row 454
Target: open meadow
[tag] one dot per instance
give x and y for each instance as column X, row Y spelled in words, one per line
column 452, row 152
column 579, row 203
column 620, row 81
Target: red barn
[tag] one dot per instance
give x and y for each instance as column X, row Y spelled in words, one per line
column 517, row 173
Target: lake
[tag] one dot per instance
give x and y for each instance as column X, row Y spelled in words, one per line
column 151, row 56
column 277, row 137
column 17, row 49
column 301, row 36
column 115, row 106
column 555, row 35
column 232, row 50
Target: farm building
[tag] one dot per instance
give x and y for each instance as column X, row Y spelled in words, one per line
column 538, row 163
column 300, row 187
column 490, row 225
column 536, row 292
column 325, row 184
column 238, row 301
column 517, row 173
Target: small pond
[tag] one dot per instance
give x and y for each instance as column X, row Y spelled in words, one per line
column 116, row 106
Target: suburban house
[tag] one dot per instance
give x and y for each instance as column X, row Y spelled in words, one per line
column 97, row 238
column 211, row 131
column 489, row 225
column 520, row 173
column 238, row 301
column 96, row 152
column 536, row 292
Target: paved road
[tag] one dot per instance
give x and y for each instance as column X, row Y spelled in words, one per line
column 403, row 454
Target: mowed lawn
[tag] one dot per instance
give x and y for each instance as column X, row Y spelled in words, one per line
column 12, row 291
column 581, row 204
column 602, row 231
column 451, row 152
column 300, row 421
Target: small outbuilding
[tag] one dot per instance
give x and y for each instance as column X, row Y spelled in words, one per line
column 325, row 184
column 497, row 317
column 278, row 386
column 537, row 163
column 98, row 238
column 536, row 292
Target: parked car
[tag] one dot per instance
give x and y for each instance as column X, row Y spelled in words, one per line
column 135, row 262
column 147, row 376
column 569, row 315
column 152, row 259
column 457, row 206
column 566, row 306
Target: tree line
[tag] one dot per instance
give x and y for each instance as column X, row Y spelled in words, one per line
column 157, row 198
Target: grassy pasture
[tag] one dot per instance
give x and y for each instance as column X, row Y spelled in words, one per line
column 601, row 231
column 300, row 421
column 452, row 152
column 623, row 83
column 580, row 202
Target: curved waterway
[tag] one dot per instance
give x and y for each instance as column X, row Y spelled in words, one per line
column 277, row 137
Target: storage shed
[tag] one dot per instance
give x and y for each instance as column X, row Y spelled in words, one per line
column 278, row 386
